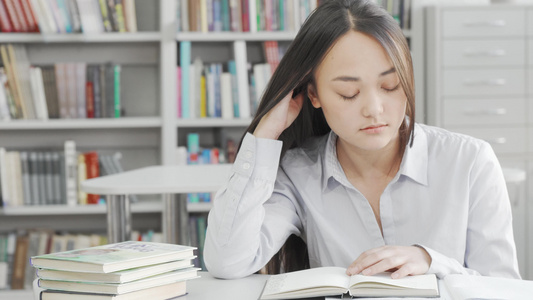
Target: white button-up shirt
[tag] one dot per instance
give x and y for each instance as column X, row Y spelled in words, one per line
column 449, row 196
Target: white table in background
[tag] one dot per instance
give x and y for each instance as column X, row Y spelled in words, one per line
column 165, row 180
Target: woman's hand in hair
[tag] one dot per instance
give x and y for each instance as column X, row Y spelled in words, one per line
column 402, row 260
column 281, row 116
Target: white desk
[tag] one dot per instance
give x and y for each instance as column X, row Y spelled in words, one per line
column 166, row 180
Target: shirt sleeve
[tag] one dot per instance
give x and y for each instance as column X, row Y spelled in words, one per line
column 249, row 221
column 490, row 247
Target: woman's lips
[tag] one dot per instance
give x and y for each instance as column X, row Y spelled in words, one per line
column 374, row 128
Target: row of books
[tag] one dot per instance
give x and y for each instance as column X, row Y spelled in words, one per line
column 262, row 15
column 52, row 177
column 68, row 16
column 16, row 248
column 217, row 90
column 64, row 90
column 242, row 15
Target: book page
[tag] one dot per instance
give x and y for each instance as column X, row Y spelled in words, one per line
column 427, row 281
column 307, row 279
column 475, row 287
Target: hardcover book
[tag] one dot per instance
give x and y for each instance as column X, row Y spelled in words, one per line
column 161, row 292
column 116, row 277
column 113, row 257
column 120, row 288
column 329, row 281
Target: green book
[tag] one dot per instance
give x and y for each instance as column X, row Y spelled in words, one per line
column 113, row 257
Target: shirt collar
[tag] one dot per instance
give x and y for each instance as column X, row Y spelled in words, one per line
column 414, row 163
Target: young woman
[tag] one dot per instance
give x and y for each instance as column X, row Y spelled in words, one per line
column 335, row 158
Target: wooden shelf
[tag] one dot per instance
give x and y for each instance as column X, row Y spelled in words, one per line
column 134, row 122
column 213, row 122
column 111, row 37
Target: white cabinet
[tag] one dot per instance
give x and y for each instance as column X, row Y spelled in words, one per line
column 479, row 68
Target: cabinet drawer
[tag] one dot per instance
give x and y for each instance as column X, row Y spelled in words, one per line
column 508, row 140
column 461, row 112
column 484, row 82
column 483, row 23
column 484, row 53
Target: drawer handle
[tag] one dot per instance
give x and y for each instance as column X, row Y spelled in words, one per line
column 484, row 53
column 486, row 82
column 494, row 23
column 497, row 141
column 489, row 112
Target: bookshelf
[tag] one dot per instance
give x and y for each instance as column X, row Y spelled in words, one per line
column 150, row 131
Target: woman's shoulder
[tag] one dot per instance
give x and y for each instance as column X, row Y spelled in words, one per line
column 442, row 138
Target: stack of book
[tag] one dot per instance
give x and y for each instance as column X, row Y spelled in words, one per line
column 128, row 270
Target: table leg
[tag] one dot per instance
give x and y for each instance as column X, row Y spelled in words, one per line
column 175, row 219
column 118, row 218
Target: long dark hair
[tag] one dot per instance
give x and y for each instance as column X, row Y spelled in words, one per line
column 330, row 21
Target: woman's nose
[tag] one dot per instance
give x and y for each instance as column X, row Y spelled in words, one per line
column 371, row 105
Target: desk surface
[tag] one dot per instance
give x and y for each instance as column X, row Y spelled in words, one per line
column 161, row 180
column 248, row 288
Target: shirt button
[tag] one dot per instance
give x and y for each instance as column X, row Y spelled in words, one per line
column 248, row 154
column 246, row 166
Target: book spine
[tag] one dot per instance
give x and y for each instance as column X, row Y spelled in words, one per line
column 41, row 177
column 119, row 9
column 129, row 15
column 103, row 91
column 33, row 167
column 96, row 91
column 93, row 171
column 29, row 15
column 106, row 20
column 117, row 103
column 26, row 185
column 112, row 12
column 70, row 173
column 20, row 15
column 178, row 91
column 60, row 74
column 227, row 98
column 5, row 23
column 13, row 18
column 74, row 14
column 185, row 63
column 64, row 15
column 81, row 97
column 82, row 176
column 89, row 93
column 239, row 49
column 41, row 95
column 19, row 263
column 72, row 93
column 218, row 91
column 48, row 175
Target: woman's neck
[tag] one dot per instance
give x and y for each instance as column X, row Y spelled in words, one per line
column 364, row 164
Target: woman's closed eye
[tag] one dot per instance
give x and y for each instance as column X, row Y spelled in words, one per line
column 390, row 89
column 349, row 98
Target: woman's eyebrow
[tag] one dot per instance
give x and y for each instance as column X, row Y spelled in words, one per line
column 352, row 78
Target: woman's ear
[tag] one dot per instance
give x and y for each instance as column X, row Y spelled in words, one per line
column 313, row 95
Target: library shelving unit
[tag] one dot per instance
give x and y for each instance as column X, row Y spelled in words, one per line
column 150, row 131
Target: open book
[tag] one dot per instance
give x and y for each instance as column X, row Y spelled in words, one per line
column 328, row 281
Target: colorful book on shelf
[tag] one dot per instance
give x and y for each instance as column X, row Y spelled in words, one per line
column 162, row 292
column 331, row 281
column 120, row 288
column 116, row 277
column 5, row 22
column 113, row 257
column 185, row 65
